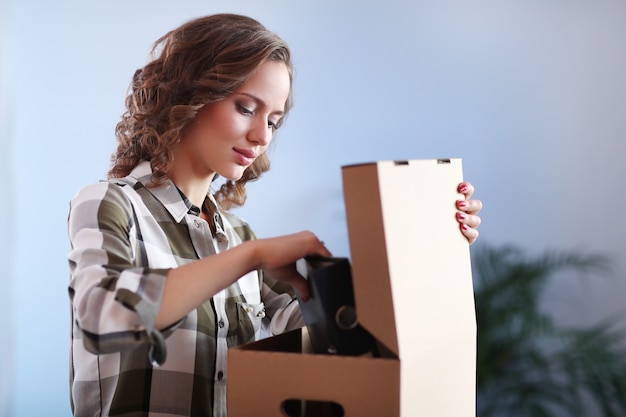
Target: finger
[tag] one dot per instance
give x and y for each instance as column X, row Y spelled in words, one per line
column 474, row 206
column 324, row 250
column 468, row 219
column 301, row 286
column 466, row 188
column 470, row 233
column 469, row 206
column 290, row 276
column 468, row 224
column 321, row 249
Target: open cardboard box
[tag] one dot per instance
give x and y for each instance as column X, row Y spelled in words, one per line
column 413, row 291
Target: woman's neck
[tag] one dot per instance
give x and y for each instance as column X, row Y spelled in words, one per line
column 194, row 184
column 194, row 189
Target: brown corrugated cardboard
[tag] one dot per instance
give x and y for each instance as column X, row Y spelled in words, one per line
column 412, row 281
column 266, row 374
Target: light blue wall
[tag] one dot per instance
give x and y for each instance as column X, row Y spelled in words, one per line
column 6, row 185
column 532, row 95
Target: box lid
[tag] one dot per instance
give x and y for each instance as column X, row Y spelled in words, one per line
column 410, row 263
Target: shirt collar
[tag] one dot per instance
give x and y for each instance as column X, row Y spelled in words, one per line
column 167, row 193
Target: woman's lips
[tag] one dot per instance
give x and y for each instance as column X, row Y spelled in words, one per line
column 245, row 156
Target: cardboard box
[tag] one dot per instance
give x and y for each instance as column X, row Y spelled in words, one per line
column 413, row 291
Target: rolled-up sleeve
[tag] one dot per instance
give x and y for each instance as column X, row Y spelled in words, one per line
column 114, row 296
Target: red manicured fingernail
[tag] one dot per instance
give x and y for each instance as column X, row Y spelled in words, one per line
column 461, row 203
column 460, row 216
column 462, row 188
column 464, row 226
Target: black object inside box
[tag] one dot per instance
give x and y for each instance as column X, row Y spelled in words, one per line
column 330, row 313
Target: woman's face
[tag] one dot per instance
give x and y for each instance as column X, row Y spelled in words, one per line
column 227, row 136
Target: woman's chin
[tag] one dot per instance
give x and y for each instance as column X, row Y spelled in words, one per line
column 234, row 175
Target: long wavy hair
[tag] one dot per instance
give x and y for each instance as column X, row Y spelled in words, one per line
column 203, row 61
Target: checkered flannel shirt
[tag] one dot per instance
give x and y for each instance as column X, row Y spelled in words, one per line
column 124, row 239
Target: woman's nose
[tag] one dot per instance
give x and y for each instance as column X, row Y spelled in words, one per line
column 260, row 133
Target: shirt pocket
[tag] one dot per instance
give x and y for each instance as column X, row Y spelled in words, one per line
column 252, row 322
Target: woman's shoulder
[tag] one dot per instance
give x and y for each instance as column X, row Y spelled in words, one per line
column 106, row 194
column 114, row 188
column 101, row 190
column 102, row 205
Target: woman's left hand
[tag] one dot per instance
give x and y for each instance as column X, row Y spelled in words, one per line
column 467, row 216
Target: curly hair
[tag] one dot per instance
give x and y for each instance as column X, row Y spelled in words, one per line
column 203, row 61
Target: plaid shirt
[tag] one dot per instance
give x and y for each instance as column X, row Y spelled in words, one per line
column 124, row 239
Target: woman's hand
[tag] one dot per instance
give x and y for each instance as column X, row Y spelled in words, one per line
column 467, row 216
column 279, row 254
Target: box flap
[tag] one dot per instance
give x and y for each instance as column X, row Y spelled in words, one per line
column 410, row 263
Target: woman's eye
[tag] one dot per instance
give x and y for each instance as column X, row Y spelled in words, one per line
column 244, row 110
column 272, row 125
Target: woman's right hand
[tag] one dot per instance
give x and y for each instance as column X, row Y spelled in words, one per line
column 278, row 256
column 187, row 286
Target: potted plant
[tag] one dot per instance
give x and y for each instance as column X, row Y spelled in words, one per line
column 527, row 364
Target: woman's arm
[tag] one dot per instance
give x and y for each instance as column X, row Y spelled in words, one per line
column 190, row 285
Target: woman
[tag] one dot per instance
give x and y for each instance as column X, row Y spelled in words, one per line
column 163, row 279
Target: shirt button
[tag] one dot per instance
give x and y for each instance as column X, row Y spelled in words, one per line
column 221, row 324
column 197, row 223
column 220, row 375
